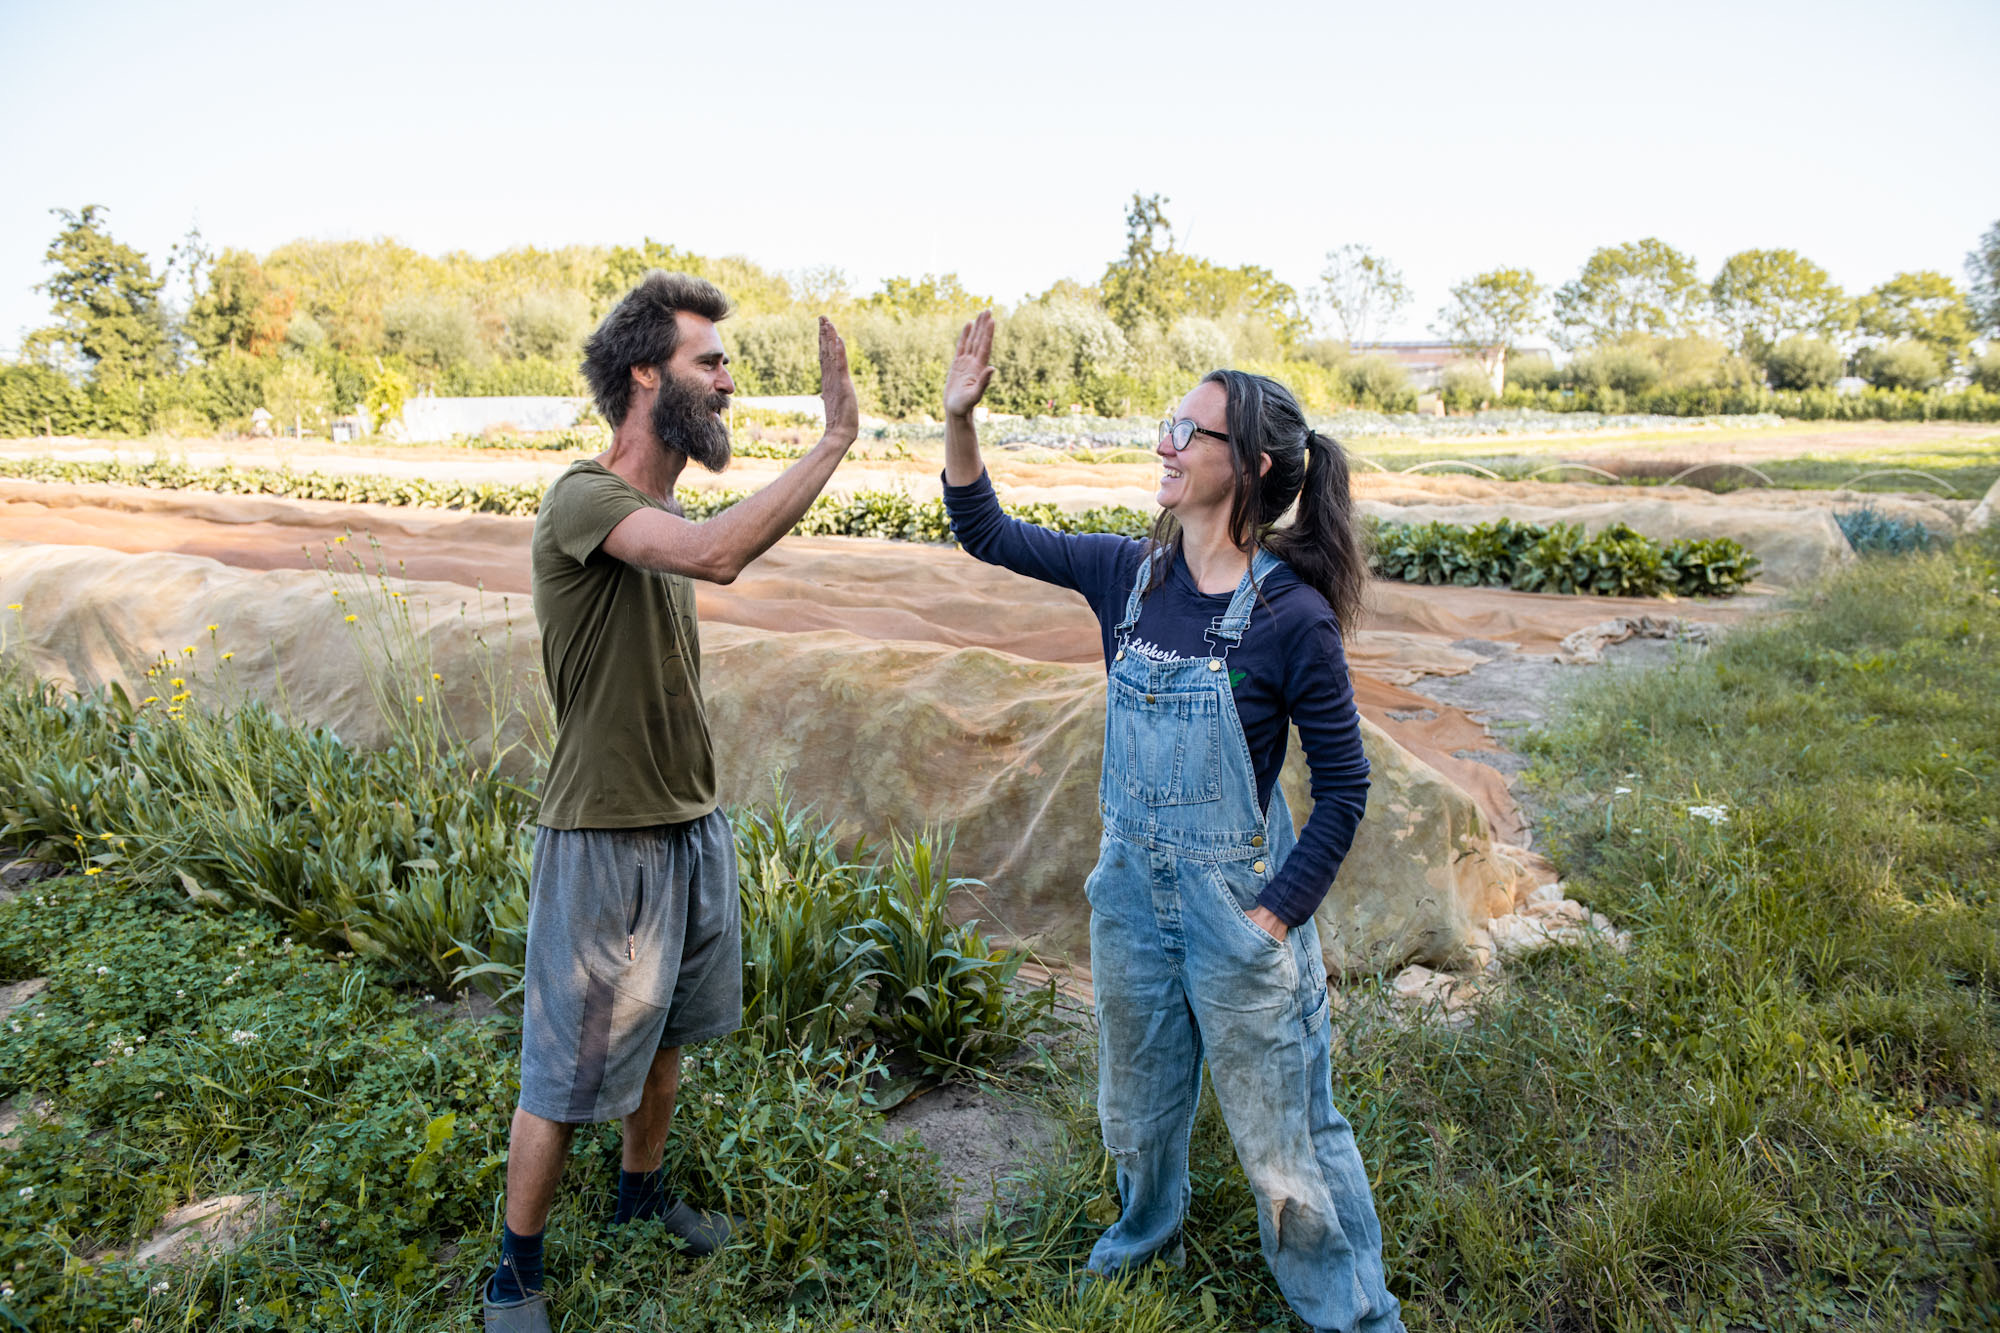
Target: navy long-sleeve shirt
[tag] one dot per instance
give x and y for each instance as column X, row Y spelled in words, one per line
column 1288, row 668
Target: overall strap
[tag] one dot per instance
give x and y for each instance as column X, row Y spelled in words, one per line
column 1138, row 590
column 1228, row 629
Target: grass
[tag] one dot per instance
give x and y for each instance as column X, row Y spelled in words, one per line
column 1780, row 1109
column 1962, row 472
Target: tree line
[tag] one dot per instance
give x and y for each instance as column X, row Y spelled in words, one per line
column 314, row 329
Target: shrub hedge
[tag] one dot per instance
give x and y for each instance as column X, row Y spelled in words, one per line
column 1970, row 404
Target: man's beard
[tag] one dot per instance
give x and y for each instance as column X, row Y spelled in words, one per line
column 686, row 418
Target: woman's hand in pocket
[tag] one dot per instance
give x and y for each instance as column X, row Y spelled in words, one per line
column 1267, row 921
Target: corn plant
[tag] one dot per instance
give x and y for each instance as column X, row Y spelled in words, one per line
column 940, row 988
column 801, row 900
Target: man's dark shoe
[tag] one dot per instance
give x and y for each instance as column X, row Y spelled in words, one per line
column 701, row 1232
column 524, row 1316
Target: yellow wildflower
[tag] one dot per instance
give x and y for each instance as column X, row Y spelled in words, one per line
column 420, row 698
column 177, row 682
column 93, row 870
column 227, row 656
column 13, row 606
column 350, row 620
column 152, row 698
column 436, row 676
column 213, row 628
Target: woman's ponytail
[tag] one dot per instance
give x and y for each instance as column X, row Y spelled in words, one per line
column 1323, row 543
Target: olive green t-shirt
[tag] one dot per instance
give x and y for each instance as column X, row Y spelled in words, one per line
column 623, row 661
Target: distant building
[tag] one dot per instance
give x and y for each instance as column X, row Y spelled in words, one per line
column 1424, row 361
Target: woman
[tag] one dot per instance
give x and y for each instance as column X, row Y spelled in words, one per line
column 1219, row 633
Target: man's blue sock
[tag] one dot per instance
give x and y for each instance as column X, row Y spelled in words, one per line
column 641, row 1195
column 519, row 1275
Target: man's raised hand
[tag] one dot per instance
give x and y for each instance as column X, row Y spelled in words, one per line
column 965, row 383
column 836, row 386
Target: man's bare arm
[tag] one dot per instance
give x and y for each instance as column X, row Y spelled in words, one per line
column 716, row 550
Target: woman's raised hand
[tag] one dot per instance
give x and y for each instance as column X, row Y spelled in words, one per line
column 965, row 383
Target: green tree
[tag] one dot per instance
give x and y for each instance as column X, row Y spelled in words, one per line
column 346, row 285
column 1986, row 370
column 1908, row 364
column 1156, row 284
column 549, row 324
column 36, row 400
column 433, row 333
column 1643, row 286
column 1763, row 297
column 106, row 298
column 1489, row 313
column 821, row 289
column 297, row 395
column 915, row 298
column 1924, row 307
column 1139, row 288
column 388, row 389
column 1048, row 354
column 236, row 307
column 751, row 288
column 1803, row 363
column 1361, row 291
column 1982, row 272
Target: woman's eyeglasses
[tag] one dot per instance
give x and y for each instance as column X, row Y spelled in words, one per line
column 1181, row 433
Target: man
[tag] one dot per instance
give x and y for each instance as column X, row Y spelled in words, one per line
column 633, row 929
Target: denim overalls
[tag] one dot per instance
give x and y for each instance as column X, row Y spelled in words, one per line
column 1181, row 973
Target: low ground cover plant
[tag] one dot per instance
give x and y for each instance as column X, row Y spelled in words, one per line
column 1533, row 557
column 1871, row 532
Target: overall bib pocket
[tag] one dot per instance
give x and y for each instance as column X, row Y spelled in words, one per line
column 1168, row 747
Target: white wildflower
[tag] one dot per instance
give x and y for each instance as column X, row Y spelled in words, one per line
column 1621, row 791
column 243, row 1036
column 27, row 1191
column 1714, row 814
column 103, row 971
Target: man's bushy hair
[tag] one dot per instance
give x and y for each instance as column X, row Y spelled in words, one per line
column 641, row 331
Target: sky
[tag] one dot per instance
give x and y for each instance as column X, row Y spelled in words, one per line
column 1003, row 142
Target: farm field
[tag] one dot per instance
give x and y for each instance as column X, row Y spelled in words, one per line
column 1755, row 1106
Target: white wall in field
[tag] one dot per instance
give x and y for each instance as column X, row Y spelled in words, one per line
column 446, row 418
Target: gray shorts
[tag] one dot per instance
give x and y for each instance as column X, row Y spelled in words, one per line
column 634, row 944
